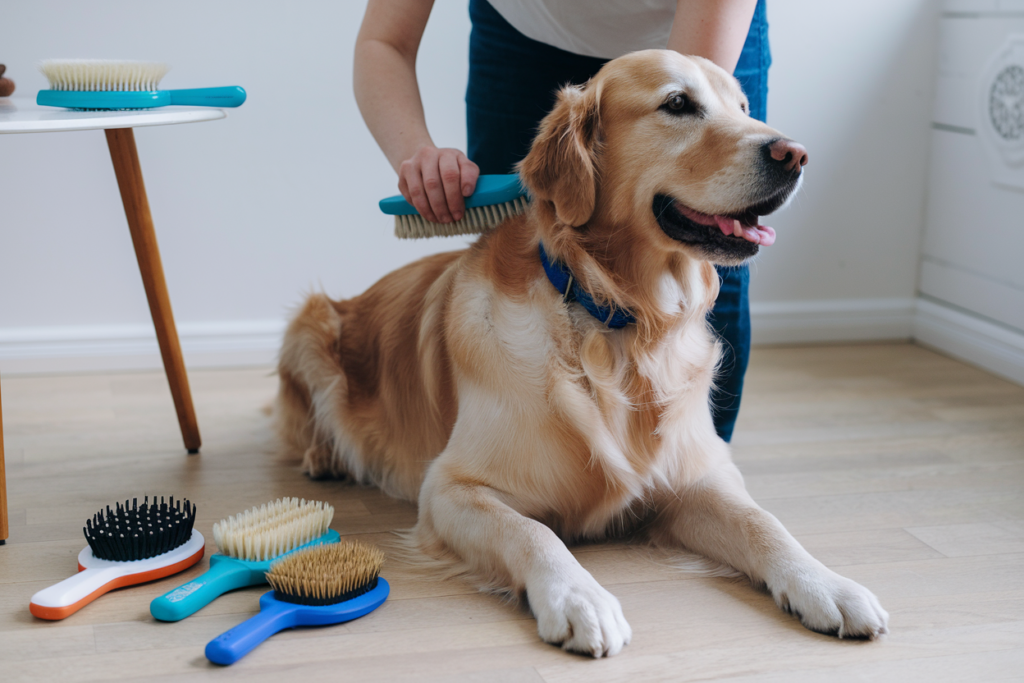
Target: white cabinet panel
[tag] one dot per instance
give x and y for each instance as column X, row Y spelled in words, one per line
column 971, row 222
column 981, row 295
column 973, row 249
column 965, row 46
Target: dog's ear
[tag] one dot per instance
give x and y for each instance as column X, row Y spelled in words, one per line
column 561, row 165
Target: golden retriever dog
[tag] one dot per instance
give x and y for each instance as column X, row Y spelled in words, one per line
column 472, row 383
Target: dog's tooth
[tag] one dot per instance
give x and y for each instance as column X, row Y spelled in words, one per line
column 737, row 228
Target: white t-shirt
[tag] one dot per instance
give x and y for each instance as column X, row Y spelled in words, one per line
column 596, row 28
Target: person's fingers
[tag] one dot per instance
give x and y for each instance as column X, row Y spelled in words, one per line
column 436, row 182
column 417, row 196
column 451, row 177
column 403, row 187
column 434, row 188
column 470, row 172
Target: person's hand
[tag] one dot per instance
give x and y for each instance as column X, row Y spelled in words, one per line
column 437, row 181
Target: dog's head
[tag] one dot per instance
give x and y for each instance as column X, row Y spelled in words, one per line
column 659, row 148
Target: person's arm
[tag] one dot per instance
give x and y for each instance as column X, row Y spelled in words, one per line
column 433, row 180
column 713, row 29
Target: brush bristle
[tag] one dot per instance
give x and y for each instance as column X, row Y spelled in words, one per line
column 477, row 220
column 138, row 532
column 95, row 75
column 272, row 529
column 327, row 574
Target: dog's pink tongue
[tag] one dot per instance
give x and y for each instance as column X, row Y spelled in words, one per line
column 758, row 234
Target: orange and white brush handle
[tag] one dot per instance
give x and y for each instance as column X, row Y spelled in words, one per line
column 96, row 577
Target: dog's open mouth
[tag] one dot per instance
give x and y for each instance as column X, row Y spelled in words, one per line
column 728, row 237
column 743, row 224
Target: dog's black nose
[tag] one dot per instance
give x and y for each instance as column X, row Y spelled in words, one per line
column 785, row 155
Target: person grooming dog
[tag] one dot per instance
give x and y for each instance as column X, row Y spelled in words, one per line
column 520, row 53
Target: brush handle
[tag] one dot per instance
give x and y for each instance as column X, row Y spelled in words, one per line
column 229, row 647
column 490, row 190
column 88, row 583
column 227, row 96
column 224, row 574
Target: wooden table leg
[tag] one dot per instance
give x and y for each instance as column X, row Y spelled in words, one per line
column 4, row 531
column 121, row 142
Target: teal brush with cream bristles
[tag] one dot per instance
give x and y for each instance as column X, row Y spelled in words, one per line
column 248, row 543
column 100, row 84
column 496, row 198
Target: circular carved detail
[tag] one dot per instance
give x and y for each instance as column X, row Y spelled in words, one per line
column 1006, row 103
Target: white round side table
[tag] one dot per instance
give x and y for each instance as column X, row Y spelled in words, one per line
column 23, row 115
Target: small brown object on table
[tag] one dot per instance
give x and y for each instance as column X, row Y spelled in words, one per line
column 6, row 84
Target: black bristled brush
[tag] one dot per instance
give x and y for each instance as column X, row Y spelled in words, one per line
column 127, row 545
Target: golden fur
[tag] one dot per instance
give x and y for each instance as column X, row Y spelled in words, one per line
column 463, row 381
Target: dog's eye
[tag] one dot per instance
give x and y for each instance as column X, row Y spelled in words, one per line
column 679, row 104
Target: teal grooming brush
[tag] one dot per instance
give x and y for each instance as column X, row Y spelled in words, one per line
column 248, row 543
column 108, row 84
column 495, row 198
column 318, row 587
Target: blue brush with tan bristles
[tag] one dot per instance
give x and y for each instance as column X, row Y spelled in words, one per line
column 496, row 198
column 317, row 587
column 248, row 543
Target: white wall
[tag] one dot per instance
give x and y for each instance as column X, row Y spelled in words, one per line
column 280, row 198
column 852, row 81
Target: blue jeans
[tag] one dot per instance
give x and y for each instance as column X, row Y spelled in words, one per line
column 513, row 82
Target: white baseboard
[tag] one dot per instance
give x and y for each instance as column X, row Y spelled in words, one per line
column 99, row 348
column 800, row 322
column 993, row 347
column 102, row 348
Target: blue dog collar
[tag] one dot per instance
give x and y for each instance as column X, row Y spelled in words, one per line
column 562, row 278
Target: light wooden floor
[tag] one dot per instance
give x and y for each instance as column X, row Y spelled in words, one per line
column 900, row 468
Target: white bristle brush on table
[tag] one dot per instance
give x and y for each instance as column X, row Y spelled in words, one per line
column 111, row 84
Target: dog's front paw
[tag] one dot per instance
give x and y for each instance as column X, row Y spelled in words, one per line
column 578, row 614
column 831, row 604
